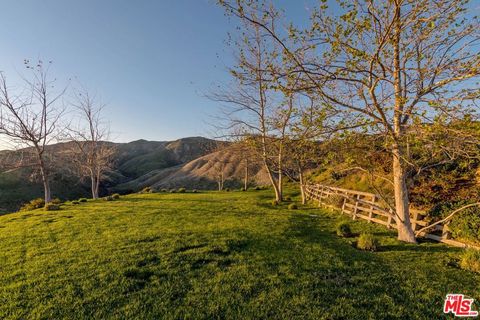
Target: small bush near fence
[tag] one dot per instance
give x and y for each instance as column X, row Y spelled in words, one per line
column 367, row 242
column 115, row 196
column 470, row 260
column 343, row 229
column 82, row 200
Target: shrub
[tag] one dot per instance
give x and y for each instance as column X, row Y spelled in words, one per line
column 292, row 206
column 287, row 198
column 56, row 201
column 108, row 198
column 274, row 203
column 115, row 196
column 33, row 204
column 82, row 200
column 470, row 260
column 164, row 190
column 146, row 190
column 227, row 189
column 51, row 207
column 367, row 242
column 257, row 188
column 182, row 190
column 343, row 229
column 173, row 190
column 242, row 189
column 75, row 202
column 194, row 190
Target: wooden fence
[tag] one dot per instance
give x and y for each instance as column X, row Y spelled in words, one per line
column 367, row 206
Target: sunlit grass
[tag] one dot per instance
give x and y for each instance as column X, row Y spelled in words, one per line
column 214, row 255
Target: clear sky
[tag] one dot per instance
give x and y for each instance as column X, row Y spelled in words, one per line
column 150, row 61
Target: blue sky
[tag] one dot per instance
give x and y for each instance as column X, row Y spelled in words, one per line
column 150, row 61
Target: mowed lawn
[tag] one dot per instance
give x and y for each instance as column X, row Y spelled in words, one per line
column 214, row 255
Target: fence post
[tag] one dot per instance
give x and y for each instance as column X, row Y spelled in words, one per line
column 446, row 231
column 414, row 220
column 370, row 213
column 343, row 205
column 356, row 207
column 389, row 222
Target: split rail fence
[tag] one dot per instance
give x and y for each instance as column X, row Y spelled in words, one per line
column 367, row 206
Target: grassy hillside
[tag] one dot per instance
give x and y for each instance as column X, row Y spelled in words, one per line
column 214, row 255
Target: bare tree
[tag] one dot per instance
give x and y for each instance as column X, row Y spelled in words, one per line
column 30, row 118
column 255, row 103
column 91, row 153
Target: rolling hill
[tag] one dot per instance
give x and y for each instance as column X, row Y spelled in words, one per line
column 187, row 162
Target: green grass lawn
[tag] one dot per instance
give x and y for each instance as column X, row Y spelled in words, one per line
column 214, row 255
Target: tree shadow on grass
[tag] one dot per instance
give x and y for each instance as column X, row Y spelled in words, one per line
column 361, row 280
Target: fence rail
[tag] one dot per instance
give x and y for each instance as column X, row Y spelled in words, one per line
column 367, row 206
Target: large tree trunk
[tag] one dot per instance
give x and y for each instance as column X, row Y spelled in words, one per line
column 402, row 218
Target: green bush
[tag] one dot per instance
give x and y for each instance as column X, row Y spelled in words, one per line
column 108, row 198
column 182, row 190
column 56, row 201
column 75, row 202
column 343, row 229
column 274, row 203
column 82, row 200
column 257, row 188
column 164, row 190
column 33, row 204
column 464, row 225
column 194, row 191
column 115, row 196
column 287, row 198
column 227, row 189
column 292, row 206
column 173, row 190
column 367, row 242
column 146, row 190
column 52, row 207
column 470, row 260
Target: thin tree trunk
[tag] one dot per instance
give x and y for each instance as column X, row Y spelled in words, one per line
column 302, row 190
column 46, row 189
column 245, row 181
column 44, row 174
column 280, row 174
column 272, row 181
